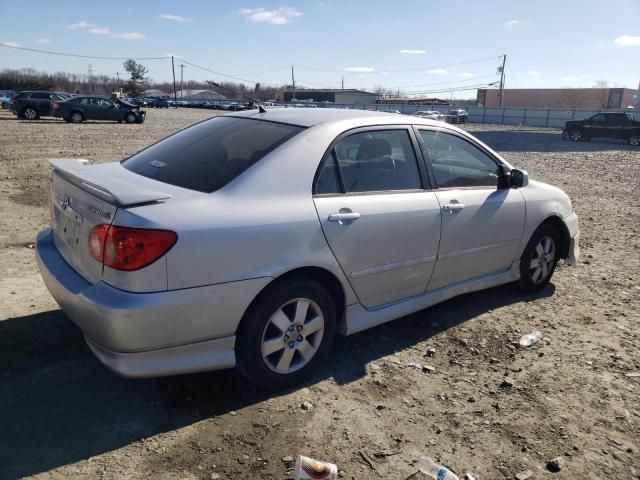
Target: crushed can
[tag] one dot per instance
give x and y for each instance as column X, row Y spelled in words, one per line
column 308, row 468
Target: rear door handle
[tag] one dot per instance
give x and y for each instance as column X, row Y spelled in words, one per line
column 339, row 217
column 453, row 207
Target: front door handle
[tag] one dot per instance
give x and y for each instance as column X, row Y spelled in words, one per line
column 340, row 217
column 453, row 207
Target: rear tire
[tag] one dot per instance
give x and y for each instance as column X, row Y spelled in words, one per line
column 539, row 259
column 30, row 113
column 286, row 334
column 575, row 135
column 634, row 140
column 76, row 117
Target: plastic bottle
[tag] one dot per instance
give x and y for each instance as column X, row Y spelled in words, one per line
column 439, row 472
column 530, row 338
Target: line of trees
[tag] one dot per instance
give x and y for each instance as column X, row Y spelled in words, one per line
column 135, row 85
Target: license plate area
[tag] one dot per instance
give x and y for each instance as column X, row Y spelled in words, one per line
column 69, row 226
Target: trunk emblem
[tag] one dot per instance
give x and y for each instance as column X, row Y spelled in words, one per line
column 102, row 213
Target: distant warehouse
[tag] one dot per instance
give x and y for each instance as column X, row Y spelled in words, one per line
column 571, row 98
column 347, row 95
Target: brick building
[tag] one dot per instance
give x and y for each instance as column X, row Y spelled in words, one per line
column 570, row 98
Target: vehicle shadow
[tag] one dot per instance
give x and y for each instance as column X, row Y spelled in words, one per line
column 551, row 141
column 59, row 405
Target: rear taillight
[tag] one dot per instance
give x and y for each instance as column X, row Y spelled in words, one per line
column 125, row 248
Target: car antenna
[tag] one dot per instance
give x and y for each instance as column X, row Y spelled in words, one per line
column 253, row 100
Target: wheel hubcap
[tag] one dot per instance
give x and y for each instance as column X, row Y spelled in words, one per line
column 30, row 113
column 635, row 141
column 76, row 117
column 292, row 336
column 576, row 136
column 542, row 260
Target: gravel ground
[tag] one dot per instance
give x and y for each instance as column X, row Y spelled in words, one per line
column 573, row 395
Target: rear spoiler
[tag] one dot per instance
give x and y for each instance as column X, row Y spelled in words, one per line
column 112, row 183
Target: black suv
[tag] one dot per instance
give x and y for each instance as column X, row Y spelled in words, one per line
column 457, row 115
column 612, row 125
column 35, row 104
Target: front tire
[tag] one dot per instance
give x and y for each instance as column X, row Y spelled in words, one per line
column 287, row 333
column 539, row 259
column 634, row 140
column 131, row 118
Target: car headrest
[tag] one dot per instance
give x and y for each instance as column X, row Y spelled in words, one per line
column 373, row 148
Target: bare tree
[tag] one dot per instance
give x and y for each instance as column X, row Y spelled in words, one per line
column 603, row 85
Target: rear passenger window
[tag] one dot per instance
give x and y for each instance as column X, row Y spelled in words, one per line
column 210, row 154
column 377, row 161
column 41, row 96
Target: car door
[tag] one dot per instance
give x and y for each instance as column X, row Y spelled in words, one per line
column 378, row 214
column 103, row 109
column 596, row 126
column 482, row 223
column 41, row 101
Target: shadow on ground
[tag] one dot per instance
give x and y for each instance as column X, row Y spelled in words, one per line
column 545, row 141
column 58, row 405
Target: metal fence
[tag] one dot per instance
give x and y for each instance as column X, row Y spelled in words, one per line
column 534, row 117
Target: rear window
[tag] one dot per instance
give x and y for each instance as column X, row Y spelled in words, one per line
column 208, row 155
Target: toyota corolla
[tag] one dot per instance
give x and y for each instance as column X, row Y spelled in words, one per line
column 253, row 238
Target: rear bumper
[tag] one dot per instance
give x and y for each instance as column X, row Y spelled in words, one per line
column 150, row 334
column 573, row 254
column 214, row 354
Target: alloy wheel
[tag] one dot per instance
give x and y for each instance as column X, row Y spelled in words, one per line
column 76, row 117
column 634, row 140
column 30, row 113
column 292, row 336
column 542, row 260
column 575, row 135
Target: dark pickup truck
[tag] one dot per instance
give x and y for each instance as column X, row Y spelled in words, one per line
column 612, row 125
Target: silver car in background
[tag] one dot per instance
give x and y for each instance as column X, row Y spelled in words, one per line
column 252, row 238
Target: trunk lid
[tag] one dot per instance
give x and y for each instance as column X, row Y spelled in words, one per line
column 83, row 196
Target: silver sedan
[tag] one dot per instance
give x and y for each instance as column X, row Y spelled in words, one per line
column 253, row 238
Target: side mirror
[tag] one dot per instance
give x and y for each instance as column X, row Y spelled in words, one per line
column 518, row 179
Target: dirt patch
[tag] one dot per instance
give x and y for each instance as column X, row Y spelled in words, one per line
column 64, row 415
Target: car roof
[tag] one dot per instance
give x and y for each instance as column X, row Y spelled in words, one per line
column 308, row 117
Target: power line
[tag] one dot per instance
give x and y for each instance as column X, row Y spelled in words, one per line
column 383, row 70
column 226, row 75
column 82, row 56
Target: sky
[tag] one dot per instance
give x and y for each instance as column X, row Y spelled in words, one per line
column 423, row 47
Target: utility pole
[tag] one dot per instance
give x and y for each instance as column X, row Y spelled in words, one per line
column 173, row 69
column 504, row 60
column 342, row 83
column 181, row 84
column 90, row 71
column 293, row 84
column 118, row 79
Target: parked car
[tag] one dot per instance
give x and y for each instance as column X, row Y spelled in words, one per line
column 158, row 102
column 5, row 99
column 612, row 125
column 79, row 109
column 428, row 114
column 251, row 239
column 457, row 115
column 32, row 105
